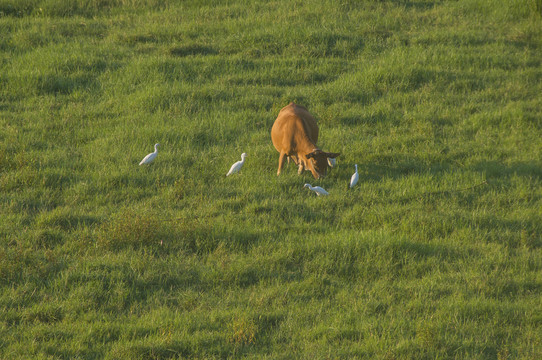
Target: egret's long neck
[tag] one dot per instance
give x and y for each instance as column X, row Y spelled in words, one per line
column 155, row 148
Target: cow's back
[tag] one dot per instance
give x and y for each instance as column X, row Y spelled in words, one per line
column 293, row 123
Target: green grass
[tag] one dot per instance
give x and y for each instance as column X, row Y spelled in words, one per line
column 435, row 254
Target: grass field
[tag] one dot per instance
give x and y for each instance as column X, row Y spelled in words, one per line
column 435, row 254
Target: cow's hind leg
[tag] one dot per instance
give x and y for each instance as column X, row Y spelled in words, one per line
column 282, row 159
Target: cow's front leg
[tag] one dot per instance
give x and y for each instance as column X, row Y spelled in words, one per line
column 301, row 167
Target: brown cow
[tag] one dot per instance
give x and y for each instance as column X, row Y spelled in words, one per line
column 294, row 135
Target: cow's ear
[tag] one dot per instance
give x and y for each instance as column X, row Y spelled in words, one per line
column 332, row 155
column 315, row 153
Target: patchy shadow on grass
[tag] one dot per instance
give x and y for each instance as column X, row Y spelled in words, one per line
column 65, row 219
column 22, row 264
column 496, row 170
column 396, row 166
column 172, row 350
column 16, row 8
column 55, row 84
column 192, row 50
column 510, row 233
column 373, row 119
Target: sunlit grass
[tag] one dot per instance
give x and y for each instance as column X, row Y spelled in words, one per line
column 434, row 254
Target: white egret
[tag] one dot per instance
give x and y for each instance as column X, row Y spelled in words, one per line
column 355, row 177
column 317, row 189
column 237, row 166
column 150, row 158
column 332, row 162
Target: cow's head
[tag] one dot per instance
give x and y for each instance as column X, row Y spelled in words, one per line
column 318, row 162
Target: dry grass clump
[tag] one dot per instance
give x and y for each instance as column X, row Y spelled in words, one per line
column 243, row 331
column 129, row 229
